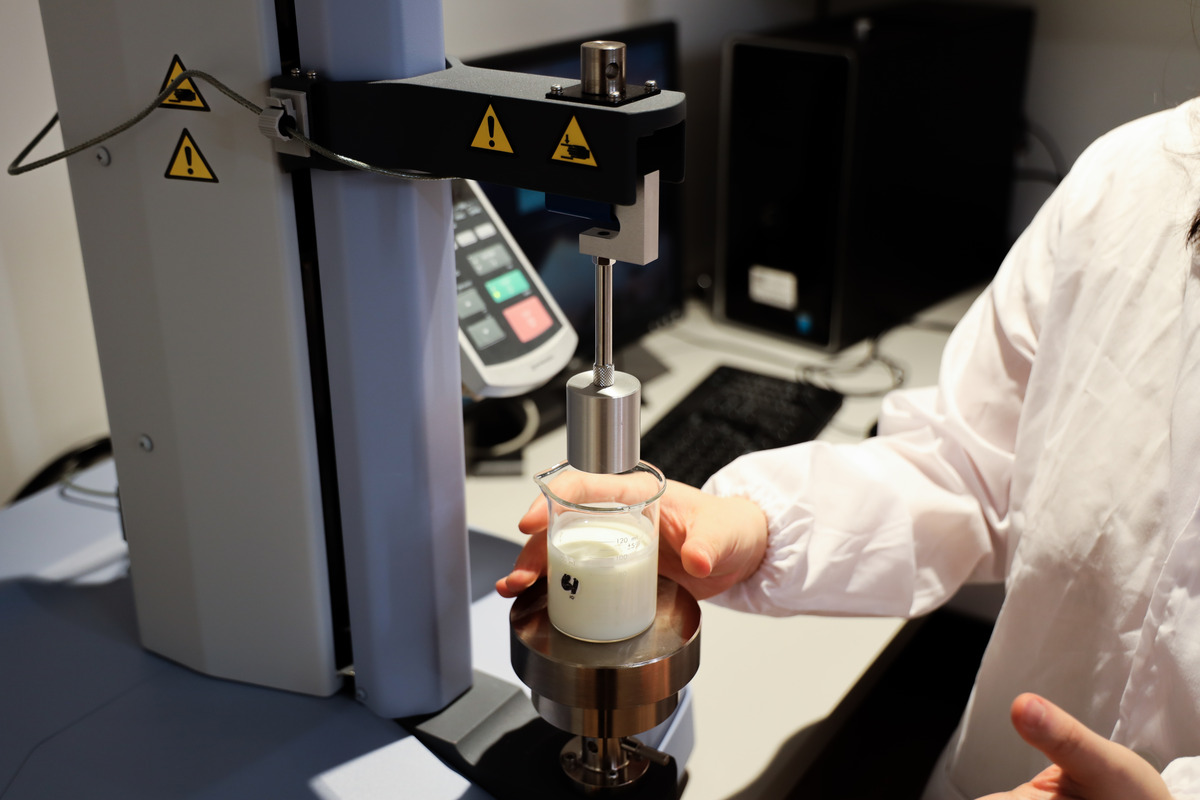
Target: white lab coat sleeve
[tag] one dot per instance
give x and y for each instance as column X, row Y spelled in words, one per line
column 896, row 524
column 1182, row 777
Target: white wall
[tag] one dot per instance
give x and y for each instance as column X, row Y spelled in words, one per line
column 1098, row 63
column 1095, row 64
column 477, row 29
column 1144, row 57
column 50, row 395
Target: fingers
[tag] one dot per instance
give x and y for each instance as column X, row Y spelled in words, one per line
column 1090, row 766
column 530, row 565
column 722, row 536
column 536, row 518
column 1064, row 740
column 709, row 543
column 516, row 582
column 577, row 487
column 679, row 511
column 706, row 543
column 531, row 562
column 697, row 558
column 626, row 488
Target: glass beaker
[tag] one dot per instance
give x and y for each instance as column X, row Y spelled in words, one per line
column 602, row 550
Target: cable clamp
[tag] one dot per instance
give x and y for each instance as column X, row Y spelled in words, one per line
column 270, row 122
column 286, row 112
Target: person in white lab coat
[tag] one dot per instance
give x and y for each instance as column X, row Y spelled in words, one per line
column 1059, row 452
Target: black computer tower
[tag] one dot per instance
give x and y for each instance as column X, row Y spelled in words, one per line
column 867, row 166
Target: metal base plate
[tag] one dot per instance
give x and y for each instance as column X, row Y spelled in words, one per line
column 610, row 689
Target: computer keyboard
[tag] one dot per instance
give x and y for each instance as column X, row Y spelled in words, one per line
column 733, row 412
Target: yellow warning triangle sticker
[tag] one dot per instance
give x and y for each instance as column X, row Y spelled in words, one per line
column 188, row 163
column 490, row 136
column 186, row 95
column 573, row 147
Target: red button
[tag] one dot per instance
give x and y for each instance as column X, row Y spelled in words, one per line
column 528, row 318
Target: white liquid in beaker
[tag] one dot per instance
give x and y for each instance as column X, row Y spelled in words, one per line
column 603, row 577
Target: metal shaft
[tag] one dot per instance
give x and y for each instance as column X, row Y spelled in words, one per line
column 605, row 756
column 602, row 369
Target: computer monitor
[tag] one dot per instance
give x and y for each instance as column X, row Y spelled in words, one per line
column 644, row 297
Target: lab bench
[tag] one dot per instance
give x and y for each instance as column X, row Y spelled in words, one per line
column 763, row 686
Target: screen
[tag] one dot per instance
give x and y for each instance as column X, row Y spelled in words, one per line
column 643, row 296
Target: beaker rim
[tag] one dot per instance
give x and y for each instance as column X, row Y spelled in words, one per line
column 543, row 481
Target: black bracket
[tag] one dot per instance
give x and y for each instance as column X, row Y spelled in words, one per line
column 445, row 123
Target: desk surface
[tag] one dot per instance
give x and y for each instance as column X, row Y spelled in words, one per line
column 762, row 681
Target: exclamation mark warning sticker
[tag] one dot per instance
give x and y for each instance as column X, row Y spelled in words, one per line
column 188, row 163
column 490, row 136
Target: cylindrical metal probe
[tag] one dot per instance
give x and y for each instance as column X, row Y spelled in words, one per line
column 604, row 407
column 602, row 69
column 602, row 368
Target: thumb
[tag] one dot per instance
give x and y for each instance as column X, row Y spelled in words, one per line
column 1092, row 767
column 727, row 539
column 699, row 556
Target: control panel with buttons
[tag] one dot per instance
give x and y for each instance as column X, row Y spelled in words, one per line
column 512, row 335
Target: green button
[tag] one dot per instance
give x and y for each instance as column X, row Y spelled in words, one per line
column 510, row 284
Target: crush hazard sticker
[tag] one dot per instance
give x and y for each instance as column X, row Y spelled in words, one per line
column 573, row 146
